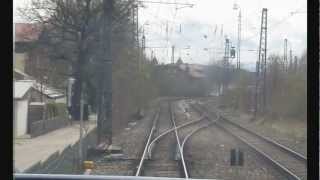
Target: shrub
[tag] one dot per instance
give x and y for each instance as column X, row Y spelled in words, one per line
column 56, row 109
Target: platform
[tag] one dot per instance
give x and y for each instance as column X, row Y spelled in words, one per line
column 30, row 151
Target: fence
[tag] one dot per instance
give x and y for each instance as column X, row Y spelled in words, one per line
column 40, row 123
column 44, row 126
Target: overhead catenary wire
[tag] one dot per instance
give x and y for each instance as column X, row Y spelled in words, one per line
column 216, row 29
column 170, row 29
column 271, row 27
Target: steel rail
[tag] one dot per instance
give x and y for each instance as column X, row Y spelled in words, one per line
column 193, row 132
column 178, row 141
column 151, row 145
column 149, row 138
column 273, row 142
column 273, row 162
column 269, row 140
column 198, row 129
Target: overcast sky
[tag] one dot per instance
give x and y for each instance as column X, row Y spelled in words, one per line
column 209, row 17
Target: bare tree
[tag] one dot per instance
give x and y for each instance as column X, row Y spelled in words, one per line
column 70, row 33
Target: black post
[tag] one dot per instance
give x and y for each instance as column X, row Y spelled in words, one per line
column 105, row 106
column 265, row 63
column 261, row 64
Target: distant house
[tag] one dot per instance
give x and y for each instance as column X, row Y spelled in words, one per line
column 22, row 94
column 32, row 58
column 25, row 35
column 28, row 94
column 49, row 94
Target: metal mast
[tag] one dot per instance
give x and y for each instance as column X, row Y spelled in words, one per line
column 138, row 44
column 290, row 57
column 285, row 58
column 239, row 40
column 143, row 44
column 226, row 52
column 226, row 63
column 172, row 55
column 261, row 66
column 105, row 108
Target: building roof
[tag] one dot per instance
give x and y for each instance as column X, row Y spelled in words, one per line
column 48, row 91
column 26, row 32
column 21, row 87
column 25, row 76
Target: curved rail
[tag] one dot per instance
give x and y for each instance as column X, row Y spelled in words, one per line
column 273, row 142
column 193, row 132
column 168, row 131
column 276, row 164
column 150, row 143
column 196, row 130
column 284, row 170
column 149, row 138
column 269, row 140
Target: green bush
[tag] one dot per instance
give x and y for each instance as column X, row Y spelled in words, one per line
column 56, row 109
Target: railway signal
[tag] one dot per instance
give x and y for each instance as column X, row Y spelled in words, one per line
column 236, row 157
column 233, row 52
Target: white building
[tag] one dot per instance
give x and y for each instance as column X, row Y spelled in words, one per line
column 22, row 94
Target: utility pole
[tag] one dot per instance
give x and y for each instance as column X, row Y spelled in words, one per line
column 105, row 109
column 290, row 56
column 221, row 33
column 285, row 50
column 295, row 63
column 167, row 38
column 261, row 65
column 226, row 63
column 143, row 44
column 172, row 55
column 138, row 44
column 151, row 55
column 14, row 63
column 81, row 130
column 239, row 34
column 239, row 40
column 41, row 89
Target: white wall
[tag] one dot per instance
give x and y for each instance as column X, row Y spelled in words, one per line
column 20, row 61
column 21, row 117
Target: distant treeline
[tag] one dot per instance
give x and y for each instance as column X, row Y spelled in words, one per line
column 286, row 88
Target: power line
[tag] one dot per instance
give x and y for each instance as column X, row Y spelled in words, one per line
column 273, row 25
column 175, row 3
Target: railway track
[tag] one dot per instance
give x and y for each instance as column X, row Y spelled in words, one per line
column 163, row 152
column 286, row 161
